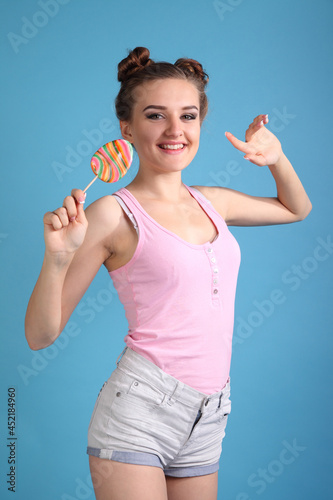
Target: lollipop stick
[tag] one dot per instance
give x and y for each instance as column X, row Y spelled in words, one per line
column 90, row 183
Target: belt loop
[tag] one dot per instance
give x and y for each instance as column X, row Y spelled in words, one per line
column 178, row 389
column 121, row 355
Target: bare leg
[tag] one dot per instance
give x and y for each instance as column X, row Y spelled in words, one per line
column 192, row 488
column 119, row 481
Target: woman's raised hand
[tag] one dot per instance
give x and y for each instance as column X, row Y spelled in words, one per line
column 65, row 228
column 261, row 147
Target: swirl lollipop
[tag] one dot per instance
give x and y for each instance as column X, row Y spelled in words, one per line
column 111, row 162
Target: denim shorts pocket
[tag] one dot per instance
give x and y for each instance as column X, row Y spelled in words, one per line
column 224, row 410
column 134, row 390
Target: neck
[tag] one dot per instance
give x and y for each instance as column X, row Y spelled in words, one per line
column 162, row 186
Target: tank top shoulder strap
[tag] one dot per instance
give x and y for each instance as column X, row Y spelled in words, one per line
column 117, row 196
column 205, row 202
column 200, row 195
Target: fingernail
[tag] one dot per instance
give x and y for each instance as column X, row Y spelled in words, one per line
column 246, row 158
column 81, row 199
column 72, row 218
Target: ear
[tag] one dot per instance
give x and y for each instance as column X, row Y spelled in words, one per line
column 126, row 131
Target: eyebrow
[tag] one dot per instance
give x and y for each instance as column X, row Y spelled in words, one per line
column 153, row 106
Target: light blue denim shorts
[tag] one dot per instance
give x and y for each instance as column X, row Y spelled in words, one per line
column 145, row 416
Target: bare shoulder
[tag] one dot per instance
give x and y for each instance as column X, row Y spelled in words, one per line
column 111, row 230
column 104, row 213
column 106, row 223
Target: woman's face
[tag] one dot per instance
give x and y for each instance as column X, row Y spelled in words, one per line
column 165, row 125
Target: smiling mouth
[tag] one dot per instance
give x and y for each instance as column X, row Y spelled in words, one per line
column 172, row 146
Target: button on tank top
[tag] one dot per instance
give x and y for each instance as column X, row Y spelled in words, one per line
column 179, row 297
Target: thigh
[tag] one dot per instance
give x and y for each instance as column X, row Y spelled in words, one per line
column 116, row 481
column 192, row 488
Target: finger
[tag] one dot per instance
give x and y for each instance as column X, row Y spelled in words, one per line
column 63, row 216
column 71, row 207
column 260, row 120
column 53, row 219
column 79, row 195
column 240, row 145
column 253, row 128
column 256, row 159
column 257, row 123
column 81, row 216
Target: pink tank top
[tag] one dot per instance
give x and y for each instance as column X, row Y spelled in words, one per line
column 179, row 297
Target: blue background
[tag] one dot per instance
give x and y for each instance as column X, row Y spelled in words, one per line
column 58, row 85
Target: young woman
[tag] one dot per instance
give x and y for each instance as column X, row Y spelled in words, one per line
column 158, row 423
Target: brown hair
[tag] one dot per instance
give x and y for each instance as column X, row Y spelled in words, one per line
column 137, row 68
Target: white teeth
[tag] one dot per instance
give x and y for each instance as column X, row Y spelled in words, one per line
column 172, row 146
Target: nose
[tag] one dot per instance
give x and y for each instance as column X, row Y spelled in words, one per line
column 174, row 127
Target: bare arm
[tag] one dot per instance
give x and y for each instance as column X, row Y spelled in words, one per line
column 75, row 250
column 291, row 203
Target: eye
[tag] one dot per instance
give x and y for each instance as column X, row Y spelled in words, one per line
column 155, row 116
column 189, row 117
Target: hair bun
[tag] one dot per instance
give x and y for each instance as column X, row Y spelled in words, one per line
column 136, row 60
column 137, row 68
column 192, row 68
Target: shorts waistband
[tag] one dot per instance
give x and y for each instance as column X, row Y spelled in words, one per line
column 169, row 385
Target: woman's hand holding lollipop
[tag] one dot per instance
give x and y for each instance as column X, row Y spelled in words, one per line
column 65, row 228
